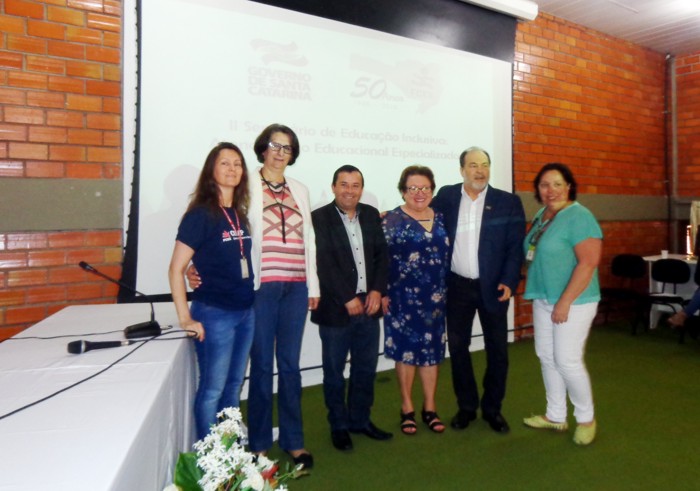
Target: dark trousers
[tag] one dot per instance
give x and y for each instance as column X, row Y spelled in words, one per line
column 464, row 300
column 360, row 338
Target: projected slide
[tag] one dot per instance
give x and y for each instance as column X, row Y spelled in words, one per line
column 223, row 70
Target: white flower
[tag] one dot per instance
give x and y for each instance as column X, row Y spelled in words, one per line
column 253, row 479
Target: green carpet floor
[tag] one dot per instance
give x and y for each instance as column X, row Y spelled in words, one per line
column 647, row 406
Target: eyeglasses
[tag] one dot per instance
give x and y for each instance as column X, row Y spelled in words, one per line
column 278, row 147
column 415, row 189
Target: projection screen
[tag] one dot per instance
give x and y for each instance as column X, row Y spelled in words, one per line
column 353, row 95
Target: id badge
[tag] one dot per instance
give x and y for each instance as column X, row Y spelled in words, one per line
column 244, row 268
column 530, row 255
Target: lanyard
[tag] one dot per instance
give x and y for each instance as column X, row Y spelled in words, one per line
column 535, row 238
column 236, row 228
column 543, row 226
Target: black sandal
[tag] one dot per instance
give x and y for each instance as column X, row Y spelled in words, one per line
column 408, row 423
column 432, row 419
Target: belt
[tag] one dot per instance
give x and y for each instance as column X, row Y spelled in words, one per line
column 464, row 280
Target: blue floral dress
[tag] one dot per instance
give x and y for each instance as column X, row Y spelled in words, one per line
column 414, row 327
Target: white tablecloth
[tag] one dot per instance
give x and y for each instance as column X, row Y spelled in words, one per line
column 121, row 430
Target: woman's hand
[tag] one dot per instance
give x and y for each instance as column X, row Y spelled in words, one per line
column 560, row 313
column 194, row 329
column 313, row 303
column 385, row 305
column 193, row 278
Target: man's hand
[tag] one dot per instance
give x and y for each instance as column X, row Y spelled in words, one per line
column 354, row 307
column 373, row 302
column 506, row 292
column 193, row 278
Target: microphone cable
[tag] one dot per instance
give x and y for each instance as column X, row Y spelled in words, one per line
column 140, row 344
column 121, row 331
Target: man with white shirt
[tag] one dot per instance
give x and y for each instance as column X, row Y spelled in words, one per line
column 352, row 264
column 486, row 228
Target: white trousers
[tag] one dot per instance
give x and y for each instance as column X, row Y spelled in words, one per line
column 560, row 348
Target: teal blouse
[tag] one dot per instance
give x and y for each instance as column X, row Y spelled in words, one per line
column 550, row 270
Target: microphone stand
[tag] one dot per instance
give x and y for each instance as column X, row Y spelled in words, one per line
column 142, row 329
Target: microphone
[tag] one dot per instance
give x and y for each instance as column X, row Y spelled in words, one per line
column 142, row 329
column 78, row 347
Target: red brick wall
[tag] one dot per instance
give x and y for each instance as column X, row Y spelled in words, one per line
column 595, row 103
column 592, row 102
column 60, row 117
column 688, row 102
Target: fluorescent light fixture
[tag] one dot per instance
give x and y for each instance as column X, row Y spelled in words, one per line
column 522, row 9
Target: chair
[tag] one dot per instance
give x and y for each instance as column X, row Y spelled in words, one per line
column 628, row 268
column 672, row 272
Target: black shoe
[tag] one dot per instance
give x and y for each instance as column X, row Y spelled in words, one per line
column 373, row 432
column 462, row 419
column 306, row 459
column 341, row 439
column 497, row 422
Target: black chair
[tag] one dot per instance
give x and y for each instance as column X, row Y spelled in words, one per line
column 628, row 268
column 671, row 272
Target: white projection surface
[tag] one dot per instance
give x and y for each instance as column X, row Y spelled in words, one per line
column 215, row 70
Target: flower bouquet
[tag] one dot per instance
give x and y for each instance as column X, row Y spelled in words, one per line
column 220, row 463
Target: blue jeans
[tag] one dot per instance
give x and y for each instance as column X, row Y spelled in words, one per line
column 361, row 339
column 281, row 308
column 222, row 359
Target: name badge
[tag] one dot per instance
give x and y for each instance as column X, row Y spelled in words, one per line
column 530, row 255
column 244, row 268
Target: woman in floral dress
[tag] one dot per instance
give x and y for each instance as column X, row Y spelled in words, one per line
column 414, row 308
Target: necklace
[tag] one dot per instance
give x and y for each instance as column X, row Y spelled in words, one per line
column 275, row 189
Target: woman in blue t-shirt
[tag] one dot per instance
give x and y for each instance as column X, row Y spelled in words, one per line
column 563, row 251
column 214, row 235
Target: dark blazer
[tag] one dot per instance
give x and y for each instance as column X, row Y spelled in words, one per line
column 337, row 274
column 500, row 240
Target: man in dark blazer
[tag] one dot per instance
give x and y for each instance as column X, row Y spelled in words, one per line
column 352, row 263
column 486, row 228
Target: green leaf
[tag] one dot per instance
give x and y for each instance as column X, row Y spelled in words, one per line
column 187, row 473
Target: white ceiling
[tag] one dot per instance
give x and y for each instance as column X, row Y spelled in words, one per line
column 666, row 26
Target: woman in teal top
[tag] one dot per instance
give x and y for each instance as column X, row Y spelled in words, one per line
column 563, row 250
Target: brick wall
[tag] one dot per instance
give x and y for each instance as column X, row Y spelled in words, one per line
column 60, row 117
column 688, row 94
column 595, row 103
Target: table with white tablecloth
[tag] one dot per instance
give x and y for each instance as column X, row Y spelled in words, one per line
column 121, row 430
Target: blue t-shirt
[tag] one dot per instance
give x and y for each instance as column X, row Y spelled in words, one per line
column 217, row 257
column 555, row 258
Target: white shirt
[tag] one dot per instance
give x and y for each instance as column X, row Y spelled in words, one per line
column 352, row 227
column 465, row 254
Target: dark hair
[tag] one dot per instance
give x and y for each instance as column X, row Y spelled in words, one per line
column 347, row 168
column 566, row 174
column 207, row 194
column 473, row 149
column 263, row 139
column 415, row 170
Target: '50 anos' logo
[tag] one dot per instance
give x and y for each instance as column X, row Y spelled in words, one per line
column 375, row 89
